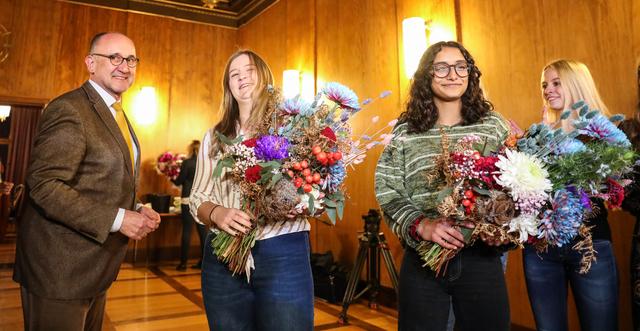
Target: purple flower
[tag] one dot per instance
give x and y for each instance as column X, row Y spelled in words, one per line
column 272, row 148
column 384, row 94
column 341, row 95
column 602, row 128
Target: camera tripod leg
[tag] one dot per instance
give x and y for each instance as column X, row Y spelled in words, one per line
column 388, row 262
column 354, row 276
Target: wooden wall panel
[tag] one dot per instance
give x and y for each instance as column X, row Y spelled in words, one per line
column 73, row 44
column 28, row 70
column 359, row 51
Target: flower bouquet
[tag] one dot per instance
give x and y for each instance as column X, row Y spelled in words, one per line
column 297, row 160
column 500, row 191
column 168, row 164
column 592, row 161
column 529, row 191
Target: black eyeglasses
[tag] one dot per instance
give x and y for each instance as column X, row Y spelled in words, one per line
column 117, row 60
column 442, row 70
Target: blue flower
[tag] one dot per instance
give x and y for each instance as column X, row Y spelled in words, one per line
column 337, row 174
column 602, row 128
column 295, row 106
column 272, row 148
column 341, row 95
column 560, row 224
column 569, row 146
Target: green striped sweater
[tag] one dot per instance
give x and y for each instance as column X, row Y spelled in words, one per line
column 402, row 189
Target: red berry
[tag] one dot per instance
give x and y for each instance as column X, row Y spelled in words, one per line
column 307, row 188
column 297, row 182
column 315, row 150
column 290, row 173
column 304, row 164
column 337, row 156
column 316, row 178
column 306, row 172
column 466, row 203
column 322, row 156
column 308, row 179
column 468, row 194
column 297, row 166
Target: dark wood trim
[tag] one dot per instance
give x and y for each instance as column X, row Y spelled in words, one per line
column 456, row 6
column 226, row 16
column 22, row 101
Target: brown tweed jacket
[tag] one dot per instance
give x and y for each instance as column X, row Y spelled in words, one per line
column 79, row 175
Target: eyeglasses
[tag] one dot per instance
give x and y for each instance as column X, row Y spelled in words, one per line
column 117, row 60
column 442, row 70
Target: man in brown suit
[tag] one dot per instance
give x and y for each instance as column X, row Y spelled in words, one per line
column 81, row 210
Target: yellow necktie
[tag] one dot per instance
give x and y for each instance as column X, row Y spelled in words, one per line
column 124, row 129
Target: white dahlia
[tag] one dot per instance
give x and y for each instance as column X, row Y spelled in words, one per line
column 525, row 225
column 524, row 175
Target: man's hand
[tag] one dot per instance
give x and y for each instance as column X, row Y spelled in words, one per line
column 134, row 225
column 153, row 218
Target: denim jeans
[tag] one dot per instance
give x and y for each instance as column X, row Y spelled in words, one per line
column 473, row 283
column 596, row 292
column 279, row 296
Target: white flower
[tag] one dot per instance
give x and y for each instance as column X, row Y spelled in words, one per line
column 523, row 174
column 304, row 200
column 525, row 225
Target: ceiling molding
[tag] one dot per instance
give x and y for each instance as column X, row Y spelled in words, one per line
column 228, row 13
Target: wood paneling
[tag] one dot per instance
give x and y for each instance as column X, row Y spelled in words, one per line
column 358, row 51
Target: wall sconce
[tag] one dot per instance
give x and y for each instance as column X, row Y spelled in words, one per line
column 145, row 107
column 295, row 83
column 414, row 39
column 290, row 83
column 5, row 111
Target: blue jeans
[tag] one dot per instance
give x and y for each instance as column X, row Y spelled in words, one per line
column 473, row 283
column 595, row 293
column 278, row 297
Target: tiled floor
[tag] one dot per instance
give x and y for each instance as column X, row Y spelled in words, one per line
column 161, row 298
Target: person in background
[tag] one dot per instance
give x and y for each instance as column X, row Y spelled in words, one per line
column 548, row 274
column 279, row 293
column 185, row 178
column 5, row 187
column 445, row 95
column 81, row 208
column 631, row 203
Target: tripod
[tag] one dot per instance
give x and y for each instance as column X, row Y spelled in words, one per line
column 372, row 243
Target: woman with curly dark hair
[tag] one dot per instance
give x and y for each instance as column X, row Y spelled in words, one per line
column 445, row 99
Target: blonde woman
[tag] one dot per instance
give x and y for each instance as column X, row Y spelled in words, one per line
column 279, row 294
column 548, row 274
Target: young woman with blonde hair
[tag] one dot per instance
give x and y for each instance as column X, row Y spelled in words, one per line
column 547, row 274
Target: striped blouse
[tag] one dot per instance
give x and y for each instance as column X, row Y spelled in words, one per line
column 224, row 192
column 402, row 189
